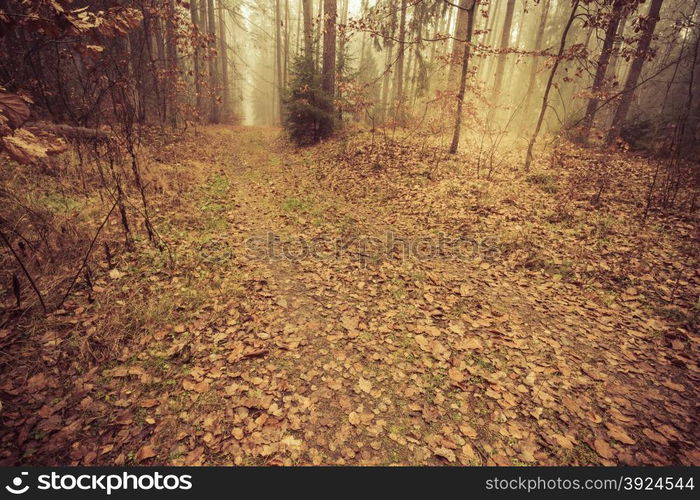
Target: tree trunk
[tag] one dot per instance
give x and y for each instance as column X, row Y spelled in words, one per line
column 172, row 66
column 308, row 32
column 214, row 111
column 386, row 83
column 635, row 70
column 398, row 87
column 613, row 66
column 285, row 58
column 223, row 54
column 537, row 47
column 461, row 29
column 548, row 88
column 160, row 47
column 194, row 15
column 505, row 41
column 329, row 52
column 278, row 61
column 388, row 64
column 297, row 45
column 602, row 67
column 342, row 45
column 465, row 73
column 363, row 43
column 490, row 39
column 319, row 32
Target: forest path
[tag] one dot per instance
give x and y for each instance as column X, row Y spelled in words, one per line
column 341, row 305
column 371, row 354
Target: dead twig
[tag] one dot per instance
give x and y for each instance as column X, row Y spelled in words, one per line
column 24, row 270
column 87, row 254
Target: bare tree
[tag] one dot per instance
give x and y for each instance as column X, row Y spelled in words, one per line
column 539, row 37
column 460, row 35
column 548, row 88
column 223, row 55
column 214, row 111
column 278, row 60
column 194, row 15
column 602, row 66
column 330, row 11
column 623, row 107
column 466, row 50
column 307, row 7
column 505, row 40
column 398, row 84
column 388, row 63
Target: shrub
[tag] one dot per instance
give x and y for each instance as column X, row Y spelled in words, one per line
column 308, row 116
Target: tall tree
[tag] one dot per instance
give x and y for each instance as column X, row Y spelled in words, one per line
column 330, row 11
column 649, row 25
column 602, row 66
column 548, row 87
column 278, row 60
column 363, row 10
column 388, row 64
column 460, row 35
column 194, row 16
column 342, row 49
column 505, row 42
column 539, row 37
column 214, row 110
column 172, row 64
column 223, row 55
column 319, row 31
column 489, row 38
column 307, row 7
column 398, row 85
column 470, row 7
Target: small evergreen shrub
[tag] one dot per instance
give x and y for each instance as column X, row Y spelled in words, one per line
column 308, row 111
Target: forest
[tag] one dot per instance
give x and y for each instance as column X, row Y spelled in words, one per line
column 349, row 232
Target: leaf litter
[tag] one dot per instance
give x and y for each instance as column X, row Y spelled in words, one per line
column 548, row 346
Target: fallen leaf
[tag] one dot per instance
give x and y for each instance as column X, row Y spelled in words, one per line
column 145, row 453
column 604, row 449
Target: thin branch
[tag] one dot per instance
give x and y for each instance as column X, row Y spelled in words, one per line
column 87, row 254
column 24, row 269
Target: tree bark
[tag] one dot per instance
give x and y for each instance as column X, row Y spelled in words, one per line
column 278, row 61
column 602, row 67
column 460, row 35
column 465, row 73
column 548, row 88
column 285, row 58
column 342, row 45
column 214, row 111
column 319, row 32
column 308, row 32
column 223, row 55
column 329, row 52
column 635, row 70
column 386, row 83
column 505, row 40
column 194, row 15
column 539, row 37
column 398, row 87
column 160, row 48
column 172, row 66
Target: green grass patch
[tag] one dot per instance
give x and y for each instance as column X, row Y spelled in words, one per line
column 546, row 182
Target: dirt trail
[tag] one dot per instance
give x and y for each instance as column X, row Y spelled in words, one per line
column 402, row 361
column 336, row 349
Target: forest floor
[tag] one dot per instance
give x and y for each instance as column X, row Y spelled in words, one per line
column 354, row 303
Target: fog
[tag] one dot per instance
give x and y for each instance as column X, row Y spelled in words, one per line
column 513, row 46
